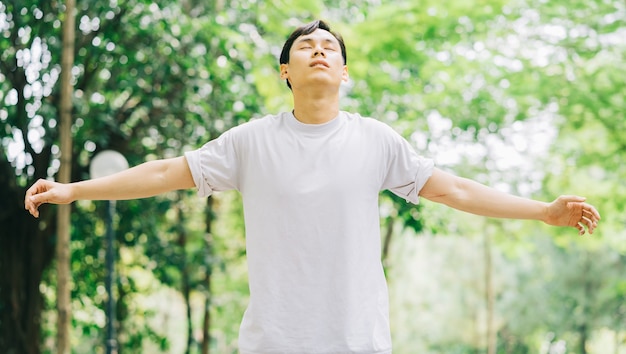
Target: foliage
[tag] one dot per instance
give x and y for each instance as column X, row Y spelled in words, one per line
column 524, row 95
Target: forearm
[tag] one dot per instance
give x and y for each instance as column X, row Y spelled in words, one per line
column 475, row 198
column 142, row 181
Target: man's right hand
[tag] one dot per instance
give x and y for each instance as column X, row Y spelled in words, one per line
column 44, row 191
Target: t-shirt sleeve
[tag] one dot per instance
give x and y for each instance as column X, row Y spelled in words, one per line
column 407, row 171
column 214, row 166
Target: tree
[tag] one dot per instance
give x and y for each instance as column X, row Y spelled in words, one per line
column 26, row 247
column 65, row 171
column 153, row 79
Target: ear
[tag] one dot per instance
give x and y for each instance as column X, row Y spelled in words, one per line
column 283, row 71
column 344, row 75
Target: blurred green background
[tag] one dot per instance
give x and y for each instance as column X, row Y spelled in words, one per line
column 528, row 96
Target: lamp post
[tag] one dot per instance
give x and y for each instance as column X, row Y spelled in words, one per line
column 106, row 163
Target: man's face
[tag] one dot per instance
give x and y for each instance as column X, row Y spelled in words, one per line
column 315, row 59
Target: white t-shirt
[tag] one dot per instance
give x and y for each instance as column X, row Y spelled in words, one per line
column 310, row 196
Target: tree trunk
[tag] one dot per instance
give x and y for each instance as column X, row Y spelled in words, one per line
column 25, row 247
column 184, row 271
column 206, row 324
column 25, row 252
column 65, row 169
column 387, row 240
column 121, row 313
column 584, row 336
column 489, row 293
column 583, row 329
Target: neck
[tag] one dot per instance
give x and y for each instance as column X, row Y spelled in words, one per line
column 311, row 108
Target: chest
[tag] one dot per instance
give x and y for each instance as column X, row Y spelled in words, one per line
column 317, row 166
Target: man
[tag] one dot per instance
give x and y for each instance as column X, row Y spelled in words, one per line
column 310, row 181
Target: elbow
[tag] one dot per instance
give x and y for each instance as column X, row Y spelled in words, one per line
column 454, row 194
column 448, row 189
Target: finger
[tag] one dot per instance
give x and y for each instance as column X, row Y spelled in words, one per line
column 588, row 213
column 589, row 216
column 35, row 196
column 587, row 210
column 38, row 199
column 593, row 216
column 33, row 208
column 590, row 209
column 591, row 225
column 27, row 201
column 36, row 188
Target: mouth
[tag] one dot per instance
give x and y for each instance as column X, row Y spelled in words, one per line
column 319, row 63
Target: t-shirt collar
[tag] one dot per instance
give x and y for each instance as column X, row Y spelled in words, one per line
column 314, row 128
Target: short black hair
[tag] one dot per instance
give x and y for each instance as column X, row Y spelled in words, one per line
column 308, row 29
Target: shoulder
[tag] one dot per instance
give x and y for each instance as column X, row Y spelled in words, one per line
column 369, row 124
column 259, row 125
column 263, row 121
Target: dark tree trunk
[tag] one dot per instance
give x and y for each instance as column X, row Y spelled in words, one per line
column 387, row 240
column 26, row 249
column 184, row 271
column 26, row 246
column 206, row 325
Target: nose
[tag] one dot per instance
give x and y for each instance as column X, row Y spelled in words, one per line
column 319, row 51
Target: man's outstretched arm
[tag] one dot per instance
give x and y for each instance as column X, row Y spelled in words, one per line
column 145, row 180
column 473, row 197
